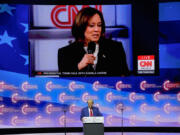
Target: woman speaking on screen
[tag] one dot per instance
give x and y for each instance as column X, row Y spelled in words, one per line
column 92, row 54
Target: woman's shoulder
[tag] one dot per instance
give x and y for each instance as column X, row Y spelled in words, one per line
column 69, row 47
column 110, row 42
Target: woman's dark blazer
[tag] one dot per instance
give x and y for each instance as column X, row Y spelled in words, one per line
column 111, row 58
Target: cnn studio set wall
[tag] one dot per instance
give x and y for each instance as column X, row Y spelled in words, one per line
column 31, row 102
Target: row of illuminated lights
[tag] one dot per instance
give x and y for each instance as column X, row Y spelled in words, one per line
column 144, row 108
column 72, row 86
column 63, row 97
column 110, row 119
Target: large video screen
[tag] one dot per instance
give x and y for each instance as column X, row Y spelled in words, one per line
column 55, row 51
column 34, row 94
column 49, row 59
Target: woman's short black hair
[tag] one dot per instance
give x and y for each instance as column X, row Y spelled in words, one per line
column 81, row 21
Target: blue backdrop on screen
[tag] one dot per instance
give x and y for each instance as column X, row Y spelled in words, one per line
column 38, row 102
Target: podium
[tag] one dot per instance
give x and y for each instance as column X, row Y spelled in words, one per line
column 93, row 125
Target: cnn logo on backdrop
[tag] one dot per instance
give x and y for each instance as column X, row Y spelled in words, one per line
column 62, row 16
column 146, row 63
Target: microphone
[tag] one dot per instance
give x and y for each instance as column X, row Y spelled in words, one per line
column 91, row 49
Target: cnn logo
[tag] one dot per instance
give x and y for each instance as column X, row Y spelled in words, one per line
column 146, row 62
column 63, row 16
